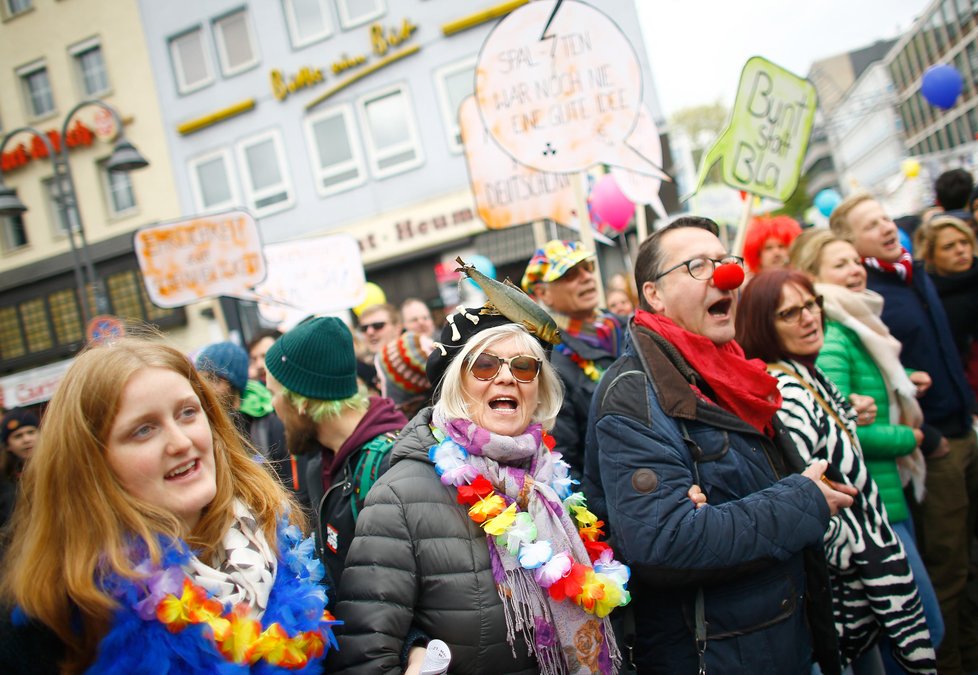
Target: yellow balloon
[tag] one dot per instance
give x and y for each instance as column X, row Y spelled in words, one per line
column 375, row 296
column 910, row 168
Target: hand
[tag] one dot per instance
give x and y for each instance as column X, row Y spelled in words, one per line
column 865, row 408
column 837, row 496
column 918, row 436
column 696, row 494
column 922, row 380
column 415, row 660
column 943, row 448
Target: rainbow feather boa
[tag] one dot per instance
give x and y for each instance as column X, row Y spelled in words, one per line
column 598, row 588
column 167, row 624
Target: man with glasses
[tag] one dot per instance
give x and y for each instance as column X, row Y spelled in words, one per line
column 946, row 518
column 561, row 278
column 719, row 586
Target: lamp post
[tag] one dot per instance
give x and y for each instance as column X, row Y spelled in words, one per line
column 124, row 157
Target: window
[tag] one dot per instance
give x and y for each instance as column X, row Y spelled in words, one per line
column 455, row 83
column 119, row 196
column 337, row 162
column 390, row 132
column 90, row 66
column 11, row 335
column 235, row 43
column 14, row 232
column 356, row 12
column 265, row 176
column 191, row 66
column 66, row 316
column 15, row 7
column 37, row 89
column 213, row 182
column 308, row 21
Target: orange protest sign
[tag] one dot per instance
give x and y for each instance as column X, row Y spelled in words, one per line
column 202, row 257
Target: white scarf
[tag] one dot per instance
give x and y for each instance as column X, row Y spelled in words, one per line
column 244, row 567
column 860, row 312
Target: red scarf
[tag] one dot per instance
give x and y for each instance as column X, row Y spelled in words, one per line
column 903, row 267
column 741, row 386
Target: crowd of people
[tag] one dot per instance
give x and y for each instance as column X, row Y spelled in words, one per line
column 756, row 463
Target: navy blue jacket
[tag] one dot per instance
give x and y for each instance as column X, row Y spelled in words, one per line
column 746, row 549
column 915, row 316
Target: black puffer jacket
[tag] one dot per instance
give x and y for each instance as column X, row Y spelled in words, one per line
column 419, row 564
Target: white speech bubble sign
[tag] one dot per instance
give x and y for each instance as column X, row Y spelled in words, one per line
column 641, row 188
column 191, row 259
column 506, row 192
column 320, row 275
column 566, row 102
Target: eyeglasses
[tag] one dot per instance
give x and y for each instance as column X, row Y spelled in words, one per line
column 702, row 268
column 486, row 366
column 793, row 314
column 376, row 325
column 577, row 270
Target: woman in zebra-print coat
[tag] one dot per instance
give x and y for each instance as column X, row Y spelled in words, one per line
column 780, row 321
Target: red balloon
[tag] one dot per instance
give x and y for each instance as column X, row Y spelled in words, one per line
column 610, row 205
column 728, row 277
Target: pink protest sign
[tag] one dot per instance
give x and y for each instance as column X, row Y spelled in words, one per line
column 565, row 102
column 506, row 192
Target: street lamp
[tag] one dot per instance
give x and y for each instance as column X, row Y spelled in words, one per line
column 124, row 157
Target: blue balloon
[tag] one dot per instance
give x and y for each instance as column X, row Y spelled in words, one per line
column 941, row 85
column 905, row 240
column 484, row 265
column 826, row 200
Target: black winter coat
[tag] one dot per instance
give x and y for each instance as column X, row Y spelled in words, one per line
column 419, row 564
column 571, row 426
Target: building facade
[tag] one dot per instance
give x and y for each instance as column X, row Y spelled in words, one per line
column 945, row 33
column 53, row 56
column 325, row 117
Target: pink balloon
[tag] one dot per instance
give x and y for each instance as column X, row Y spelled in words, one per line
column 610, row 205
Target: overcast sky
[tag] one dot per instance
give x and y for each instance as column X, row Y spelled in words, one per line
column 698, row 47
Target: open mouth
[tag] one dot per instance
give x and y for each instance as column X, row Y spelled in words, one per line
column 182, row 470
column 720, row 308
column 503, row 404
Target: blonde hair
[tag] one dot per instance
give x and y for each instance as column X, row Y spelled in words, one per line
column 74, row 523
column 319, row 410
column 451, row 398
column 925, row 238
column 805, row 253
column 839, row 220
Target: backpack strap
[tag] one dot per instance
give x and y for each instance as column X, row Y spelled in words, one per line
column 367, row 470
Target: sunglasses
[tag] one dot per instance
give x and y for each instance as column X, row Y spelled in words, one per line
column 524, row 368
column 376, row 325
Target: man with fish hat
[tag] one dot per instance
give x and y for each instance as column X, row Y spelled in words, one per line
column 738, row 585
column 561, row 278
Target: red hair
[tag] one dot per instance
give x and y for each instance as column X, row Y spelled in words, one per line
column 762, row 228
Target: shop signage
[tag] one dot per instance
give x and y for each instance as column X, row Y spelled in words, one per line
column 382, row 40
column 78, row 135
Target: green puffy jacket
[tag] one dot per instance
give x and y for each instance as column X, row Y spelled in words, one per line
column 845, row 361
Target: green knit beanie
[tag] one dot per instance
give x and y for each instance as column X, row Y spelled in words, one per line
column 316, row 360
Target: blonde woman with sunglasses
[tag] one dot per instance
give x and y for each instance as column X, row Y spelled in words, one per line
column 476, row 535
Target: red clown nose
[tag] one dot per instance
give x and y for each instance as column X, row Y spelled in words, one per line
column 728, row 277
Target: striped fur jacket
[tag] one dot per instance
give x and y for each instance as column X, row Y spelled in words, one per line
column 873, row 590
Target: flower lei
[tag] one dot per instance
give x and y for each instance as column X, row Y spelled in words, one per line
column 597, row 589
column 587, row 365
column 169, row 596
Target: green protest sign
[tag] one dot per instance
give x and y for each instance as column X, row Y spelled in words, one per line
column 763, row 146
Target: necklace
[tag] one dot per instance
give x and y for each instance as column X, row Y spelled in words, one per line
column 169, row 595
column 597, row 588
column 587, row 365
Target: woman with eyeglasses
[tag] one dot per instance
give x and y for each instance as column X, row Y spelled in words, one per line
column 860, row 355
column 780, row 321
column 475, row 535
